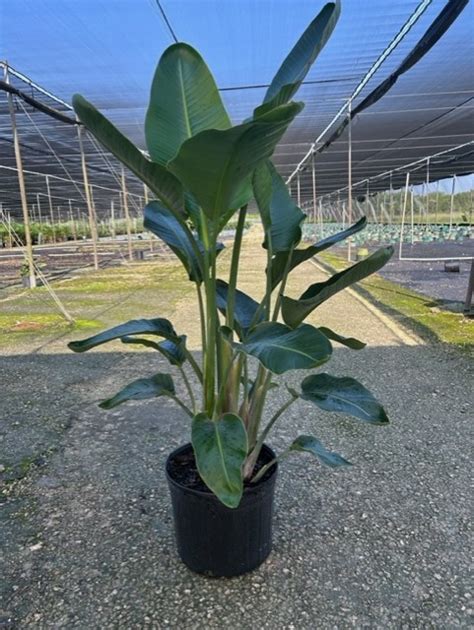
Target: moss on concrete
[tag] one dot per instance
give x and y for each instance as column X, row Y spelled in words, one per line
column 424, row 315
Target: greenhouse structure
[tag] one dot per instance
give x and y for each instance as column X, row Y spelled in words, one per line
column 253, row 220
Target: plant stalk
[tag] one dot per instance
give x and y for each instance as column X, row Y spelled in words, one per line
column 188, row 387
column 281, row 291
column 182, row 405
column 211, row 314
column 234, row 267
column 264, row 469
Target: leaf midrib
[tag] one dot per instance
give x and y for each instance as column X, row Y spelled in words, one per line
column 187, row 119
column 349, row 402
column 221, row 454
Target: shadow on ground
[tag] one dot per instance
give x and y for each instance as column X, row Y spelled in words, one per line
column 87, row 532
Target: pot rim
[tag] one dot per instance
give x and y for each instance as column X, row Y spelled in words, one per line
column 247, row 489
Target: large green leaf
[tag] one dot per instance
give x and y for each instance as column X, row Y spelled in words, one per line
column 159, row 326
column 173, row 351
column 245, row 307
column 343, row 394
column 294, row 69
column 310, row 444
column 279, row 348
column 295, row 311
column 156, row 177
column 184, row 100
column 281, row 217
column 142, row 388
column 349, row 342
column 220, row 447
column 163, row 223
column 216, row 166
column 299, row 256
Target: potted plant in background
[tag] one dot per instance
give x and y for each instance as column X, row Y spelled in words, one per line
column 202, row 170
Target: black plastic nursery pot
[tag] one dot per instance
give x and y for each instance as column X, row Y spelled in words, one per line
column 216, row 540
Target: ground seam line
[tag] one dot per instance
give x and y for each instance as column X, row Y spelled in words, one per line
column 408, row 339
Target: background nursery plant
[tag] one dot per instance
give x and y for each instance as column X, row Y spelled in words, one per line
column 202, row 170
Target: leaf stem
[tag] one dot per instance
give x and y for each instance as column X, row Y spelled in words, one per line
column 211, row 316
column 201, row 316
column 283, row 285
column 253, row 457
column 182, row 405
column 234, row 267
column 274, row 418
column 264, row 469
column 188, row 387
column 194, row 365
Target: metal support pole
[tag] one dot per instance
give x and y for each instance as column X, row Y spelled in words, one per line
column 404, row 209
column 391, row 199
column 313, row 180
column 112, row 219
column 50, row 203
column 145, row 193
column 427, row 197
column 90, row 207
column 349, row 177
column 470, row 291
column 412, row 211
column 298, row 190
column 21, row 184
column 451, row 204
column 127, row 215
column 437, row 203
column 321, row 224
column 73, row 224
column 38, row 205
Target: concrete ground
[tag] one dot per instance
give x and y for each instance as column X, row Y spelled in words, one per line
column 86, row 528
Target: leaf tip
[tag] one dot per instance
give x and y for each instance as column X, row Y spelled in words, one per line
column 75, row 346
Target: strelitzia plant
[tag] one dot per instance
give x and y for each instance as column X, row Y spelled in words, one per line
column 202, row 170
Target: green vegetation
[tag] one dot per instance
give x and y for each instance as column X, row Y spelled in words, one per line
column 203, row 171
column 46, row 232
column 30, row 316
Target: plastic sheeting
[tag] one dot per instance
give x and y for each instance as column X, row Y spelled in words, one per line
column 108, row 51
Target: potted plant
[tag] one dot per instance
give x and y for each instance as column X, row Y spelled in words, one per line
column 202, row 170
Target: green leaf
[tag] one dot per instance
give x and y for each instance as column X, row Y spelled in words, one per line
column 220, row 447
column 349, row 342
column 159, row 326
column 162, row 222
column 173, row 351
column 244, row 310
column 216, row 166
column 281, row 217
column 345, row 395
column 299, row 256
column 156, row 177
column 142, row 388
column 295, row 311
column 310, row 444
column 279, row 348
column 302, row 56
column 184, row 100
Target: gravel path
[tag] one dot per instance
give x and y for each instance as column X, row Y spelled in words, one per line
column 87, row 532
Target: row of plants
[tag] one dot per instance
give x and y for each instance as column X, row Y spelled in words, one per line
column 65, row 231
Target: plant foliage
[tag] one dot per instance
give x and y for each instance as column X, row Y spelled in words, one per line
column 203, row 171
